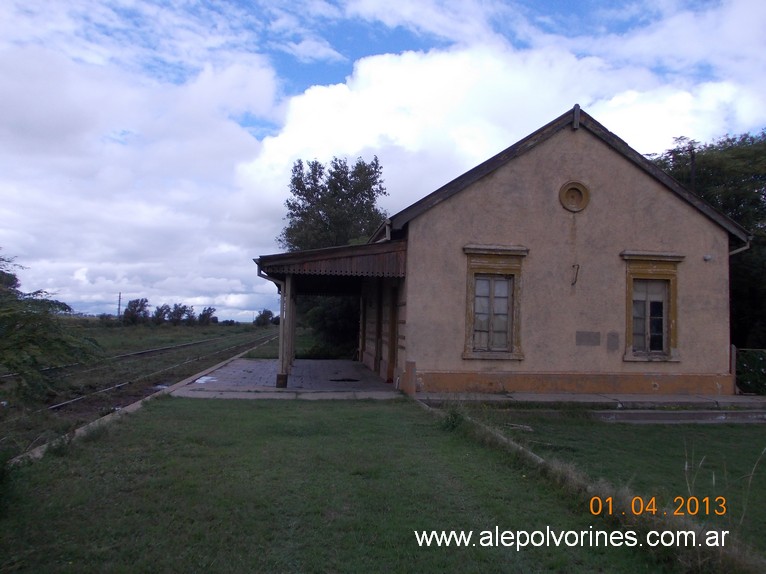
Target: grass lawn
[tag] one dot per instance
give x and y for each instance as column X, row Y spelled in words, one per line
column 114, row 339
column 664, row 461
column 190, row 485
column 307, row 346
column 26, row 422
column 304, row 341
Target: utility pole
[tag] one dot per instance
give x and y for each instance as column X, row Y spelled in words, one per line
column 119, row 305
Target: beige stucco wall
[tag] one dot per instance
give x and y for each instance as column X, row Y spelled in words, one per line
column 519, row 205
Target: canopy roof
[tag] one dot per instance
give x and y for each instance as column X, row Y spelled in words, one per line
column 336, row 269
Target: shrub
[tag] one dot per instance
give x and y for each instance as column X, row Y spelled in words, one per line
column 751, row 371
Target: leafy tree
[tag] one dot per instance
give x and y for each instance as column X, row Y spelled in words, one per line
column 730, row 174
column 33, row 335
column 190, row 317
column 333, row 205
column 263, row 318
column 136, row 311
column 106, row 320
column 206, row 317
column 329, row 206
column 160, row 315
column 8, row 280
column 177, row 313
column 337, row 319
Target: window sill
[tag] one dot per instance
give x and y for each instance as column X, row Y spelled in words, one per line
column 494, row 355
column 638, row 358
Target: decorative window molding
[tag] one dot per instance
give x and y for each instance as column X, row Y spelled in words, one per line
column 574, row 196
column 651, row 306
column 649, row 256
column 493, row 322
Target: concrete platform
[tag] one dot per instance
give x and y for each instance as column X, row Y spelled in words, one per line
column 310, row 380
column 350, row 380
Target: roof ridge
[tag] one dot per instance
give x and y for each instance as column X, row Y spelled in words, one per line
column 576, row 119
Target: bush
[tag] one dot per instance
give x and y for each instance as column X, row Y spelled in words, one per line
column 264, row 318
column 327, row 350
column 751, row 371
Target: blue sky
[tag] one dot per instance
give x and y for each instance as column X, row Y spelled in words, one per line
column 146, row 146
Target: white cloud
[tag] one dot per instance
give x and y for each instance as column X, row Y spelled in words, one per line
column 114, row 180
column 146, row 148
column 430, row 116
column 460, row 21
column 313, row 49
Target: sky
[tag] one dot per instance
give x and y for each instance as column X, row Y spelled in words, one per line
column 146, row 146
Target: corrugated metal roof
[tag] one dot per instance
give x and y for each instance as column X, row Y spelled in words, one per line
column 387, row 259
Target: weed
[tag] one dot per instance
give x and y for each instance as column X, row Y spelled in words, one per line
column 5, row 458
column 589, row 445
column 453, row 418
column 5, row 479
column 750, row 485
column 60, row 447
column 104, row 411
column 689, row 468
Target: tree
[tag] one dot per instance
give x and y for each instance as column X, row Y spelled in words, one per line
column 206, row 317
column 136, row 311
column 160, row 315
column 330, row 206
column 333, row 205
column 177, row 313
column 265, row 316
column 32, row 334
column 730, row 174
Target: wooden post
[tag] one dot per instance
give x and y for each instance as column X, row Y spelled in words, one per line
column 286, row 331
column 291, row 322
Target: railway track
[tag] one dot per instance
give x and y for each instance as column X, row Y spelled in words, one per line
column 126, row 369
column 89, row 391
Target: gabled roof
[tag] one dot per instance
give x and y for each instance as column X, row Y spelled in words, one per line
column 573, row 119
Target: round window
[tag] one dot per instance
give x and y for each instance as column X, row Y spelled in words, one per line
column 574, row 196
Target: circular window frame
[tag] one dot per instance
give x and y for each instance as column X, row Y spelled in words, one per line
column 569, row 203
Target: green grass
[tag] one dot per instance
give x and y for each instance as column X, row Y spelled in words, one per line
column 188, row 485
column 664, row 461
column 305, row 341
column 116, row 339
column 26, row 422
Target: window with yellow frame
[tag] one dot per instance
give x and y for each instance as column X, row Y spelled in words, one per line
column 493, row 317
column 651, row 305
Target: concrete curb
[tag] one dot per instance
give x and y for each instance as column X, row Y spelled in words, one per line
column 606, row 401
